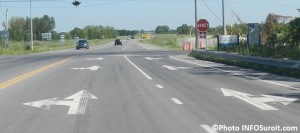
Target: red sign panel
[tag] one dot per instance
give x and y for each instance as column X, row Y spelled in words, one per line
column 202, row 25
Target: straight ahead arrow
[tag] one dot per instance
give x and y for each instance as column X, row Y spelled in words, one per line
column 76, row 106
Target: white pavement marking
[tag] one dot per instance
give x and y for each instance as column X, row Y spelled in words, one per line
column 108, row 45
column 125, row 47
column 208, row 129
column 7, row 60
column 91, row 59
column 259, row 102
column 173, row 68
column 145, row 74
column 92, row 68
column 150, row 58
column 143, row 46
column 177, row 101
column 159, row 86
column 77, row 106
column 235, row 73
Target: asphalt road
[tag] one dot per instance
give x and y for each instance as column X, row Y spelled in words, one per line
column 139, row 88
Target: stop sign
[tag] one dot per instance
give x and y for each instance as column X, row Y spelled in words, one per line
column 202, row 25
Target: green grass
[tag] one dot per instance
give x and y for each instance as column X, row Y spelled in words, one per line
column 260, row 67
column 16, row 48
column 169, row 41
column 278, row 52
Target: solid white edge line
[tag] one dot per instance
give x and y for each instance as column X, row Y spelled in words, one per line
column 267, row 81
column 145, row 74
column 159, row 86
column 177, row 101
column 208, row 129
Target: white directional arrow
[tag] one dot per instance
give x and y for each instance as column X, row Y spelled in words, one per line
column 259, row 102
column 174, row 68
column 95, row 59
column 77, row 105
column 149, row 58
column 92, row 68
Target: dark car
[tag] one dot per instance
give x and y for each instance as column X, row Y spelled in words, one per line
column 82, row 43
column 118, row 42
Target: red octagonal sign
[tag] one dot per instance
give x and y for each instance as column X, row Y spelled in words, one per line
column 202, row 25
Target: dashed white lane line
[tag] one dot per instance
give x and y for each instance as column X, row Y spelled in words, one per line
column 177, row 101
column 208, row 129
column 159, row 86
column 267, row 81
column 145, row 74
column 7, row 60
column 125, row 47
column 143, row 46
column 104, row 46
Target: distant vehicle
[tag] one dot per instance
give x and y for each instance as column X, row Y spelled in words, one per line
column 82, row 43
column 132, row 37
column 118, row 42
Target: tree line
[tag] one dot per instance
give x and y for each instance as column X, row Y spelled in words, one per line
column 183, row 29
column 19, row 29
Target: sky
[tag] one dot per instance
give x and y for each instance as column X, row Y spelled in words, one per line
column 147, row 14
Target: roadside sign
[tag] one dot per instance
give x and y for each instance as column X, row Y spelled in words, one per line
column 62, row 39
column 202, row 25
column 202, row 34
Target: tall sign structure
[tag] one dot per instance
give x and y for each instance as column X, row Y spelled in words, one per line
column 253, row 37
column 202, row 26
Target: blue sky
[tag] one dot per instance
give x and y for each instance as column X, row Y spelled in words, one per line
column 147, row 14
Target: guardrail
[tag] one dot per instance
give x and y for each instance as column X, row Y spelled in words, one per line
column 285, row 63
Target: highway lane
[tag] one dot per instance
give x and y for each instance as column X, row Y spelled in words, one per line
column 139, row 88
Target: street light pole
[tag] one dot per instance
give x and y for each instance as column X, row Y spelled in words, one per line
column 196, row 31
column 31, row 31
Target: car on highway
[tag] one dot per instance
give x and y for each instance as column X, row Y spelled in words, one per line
column 118, row 42
column 82, row 43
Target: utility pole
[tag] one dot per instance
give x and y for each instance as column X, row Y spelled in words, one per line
column 31, row 31
column 6, row 28
column 223, row 16
column 196, row 31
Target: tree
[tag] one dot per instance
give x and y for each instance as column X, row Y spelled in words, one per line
column 293, row 34
column 17, row 28
column 184, row 29
column 126, row 32
column 268, row 27
column 94, row 32
column 162, row 29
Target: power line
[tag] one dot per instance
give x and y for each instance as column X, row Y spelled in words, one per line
column 211, row 11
